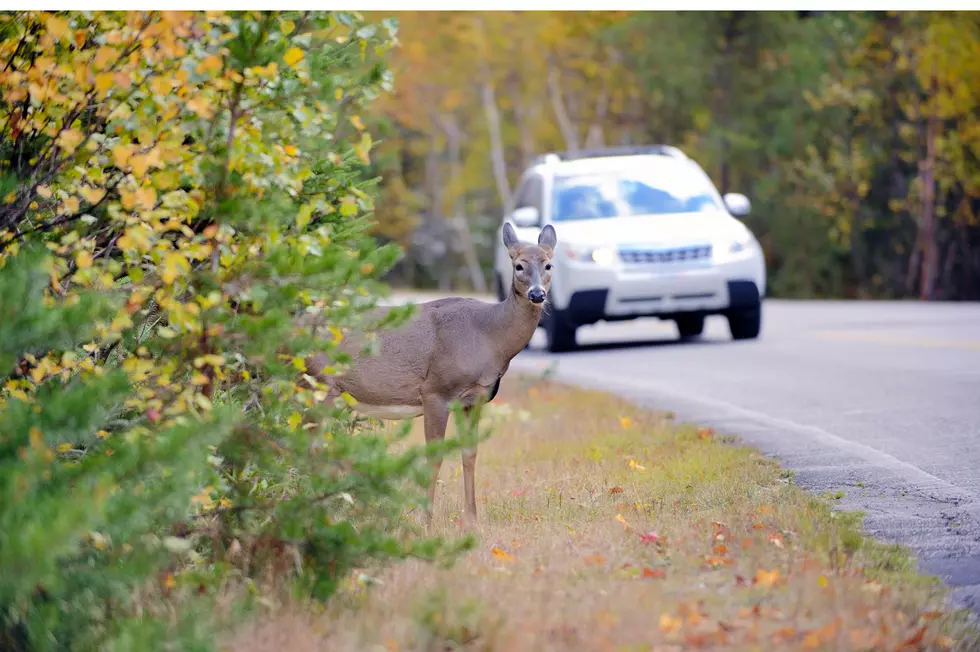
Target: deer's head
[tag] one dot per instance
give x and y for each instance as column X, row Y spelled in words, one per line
column 532, row 263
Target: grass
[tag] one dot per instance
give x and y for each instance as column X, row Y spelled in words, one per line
column 607, row 527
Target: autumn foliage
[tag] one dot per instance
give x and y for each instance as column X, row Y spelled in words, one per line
column 176, row 188
column 853, row 133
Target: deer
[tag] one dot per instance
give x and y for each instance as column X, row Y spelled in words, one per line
column 452, row 349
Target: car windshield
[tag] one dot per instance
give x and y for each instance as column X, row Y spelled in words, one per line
column 653, row 190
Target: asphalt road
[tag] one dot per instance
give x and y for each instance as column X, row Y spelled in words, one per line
column 880, row 401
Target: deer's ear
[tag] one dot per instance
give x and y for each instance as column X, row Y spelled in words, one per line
column 510, row 237
column 548, row 237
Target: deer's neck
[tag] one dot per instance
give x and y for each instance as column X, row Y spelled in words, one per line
column 513, row 324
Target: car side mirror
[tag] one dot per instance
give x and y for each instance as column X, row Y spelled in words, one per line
column 526, row 216
column 738, row 204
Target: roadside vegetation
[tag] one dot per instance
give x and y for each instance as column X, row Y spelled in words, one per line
column 175, row 189
column 607, row 527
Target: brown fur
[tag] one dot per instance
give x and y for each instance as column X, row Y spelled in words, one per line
column 452, row 349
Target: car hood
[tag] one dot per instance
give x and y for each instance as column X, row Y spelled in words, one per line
column 652, row 230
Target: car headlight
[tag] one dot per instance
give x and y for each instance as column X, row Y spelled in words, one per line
column 598, row 255
column 740, row 244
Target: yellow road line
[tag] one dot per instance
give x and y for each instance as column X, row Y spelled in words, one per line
column 882, row 338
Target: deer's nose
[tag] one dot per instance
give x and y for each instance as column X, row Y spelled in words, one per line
column 537, row 294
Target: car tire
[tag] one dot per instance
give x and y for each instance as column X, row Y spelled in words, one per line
column 745, row 323
column 689, row 326
column 560, row 333
column 498, row 285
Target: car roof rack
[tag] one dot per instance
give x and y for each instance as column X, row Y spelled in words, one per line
column 597, row 152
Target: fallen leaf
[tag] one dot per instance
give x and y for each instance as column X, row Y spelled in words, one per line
column 616, row 490
column 501, row 554
column 669, row 623
column 706, row 433
column 636, row 467
column 596, row 559
column 739, row 580
column 619, row 517
column 822, row 582
column 917, row 637
column 625, row 422
column 720, row 549
column 715, row 562
column 766, row 578
column 651, row 537
column 654, row 573
column 776, row 539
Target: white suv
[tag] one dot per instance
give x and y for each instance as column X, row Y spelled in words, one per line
column 642, row 232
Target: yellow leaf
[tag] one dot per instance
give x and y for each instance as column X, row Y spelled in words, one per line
column 356, row 121
column 10, row 197
column 201, row 107
column 287, row 26
column 338, row 94
column 299, row 363
column 619, row 517
column 290, row 149
column 91, row 195
column 822, row 582
column 501, row 555
column 103, row 56
column 83, row 259
column 121, row 155
column 58, row 27
column 71, row 206
column 64, row 448
column 102, row 434
column 293, row 56
column 625, row 422
column 303, row 216
column 294, row 420
column 173, row 264
column 636, row 467
column 669, row 623
column 103, row 82
column 44, row 191
column 210, row 63
column 161, row 86
column 140, row 164
column 766, row 578
column 70, row 139
column 128, row 200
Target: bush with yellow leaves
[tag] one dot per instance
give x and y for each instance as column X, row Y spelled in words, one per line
column 199, row 182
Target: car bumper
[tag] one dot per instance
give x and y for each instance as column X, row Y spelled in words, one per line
column 588, row 293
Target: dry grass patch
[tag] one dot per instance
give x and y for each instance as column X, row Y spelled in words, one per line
column 607, row 527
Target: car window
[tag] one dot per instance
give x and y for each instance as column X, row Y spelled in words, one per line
column 654, row 190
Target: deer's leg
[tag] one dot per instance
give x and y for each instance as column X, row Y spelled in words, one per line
column 469, row 465
column 435, row 413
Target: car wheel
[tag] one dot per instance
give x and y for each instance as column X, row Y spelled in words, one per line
column 745, row 323
column 561, row 334
column 690, row 326
column 498, row 284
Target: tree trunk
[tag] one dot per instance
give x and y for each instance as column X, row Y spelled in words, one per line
column 568, row 130
column 595, row 136
column 930, row 248
column 454, row 145
column 496, row 145
column 523, row 117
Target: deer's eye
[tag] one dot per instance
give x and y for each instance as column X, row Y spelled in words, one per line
column 547, row 267
column 519, row 267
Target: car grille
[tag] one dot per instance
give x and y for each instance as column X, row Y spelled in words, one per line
column 700, row 253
